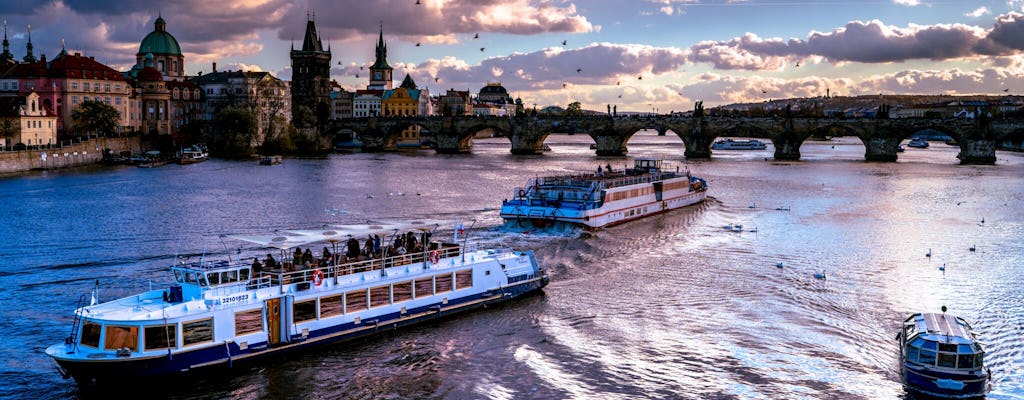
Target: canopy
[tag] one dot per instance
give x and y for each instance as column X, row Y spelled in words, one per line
column 283, row 242
column 290, row 238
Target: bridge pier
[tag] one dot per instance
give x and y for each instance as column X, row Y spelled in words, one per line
column 977, row 151
column 451, row 142
column 881, row 148
column 527, row 144
column 374, row 140
column 661, row 130
column 610, row 144
column 787, row 147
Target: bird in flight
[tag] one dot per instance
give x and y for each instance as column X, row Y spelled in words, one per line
column 798, row 64
column 641, row 77
column 417, row 44
column 357, row 75
column 436, row 79
column 476, row 36
column 1006, row 90
column 764, row 91
column 618, row 83
column 578, row 70
column 482, row 49
column 417, row 2
column 360, row 67
column 563, row 42
column 620, row 96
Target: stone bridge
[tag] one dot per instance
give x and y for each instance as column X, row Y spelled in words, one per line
column 881, row 137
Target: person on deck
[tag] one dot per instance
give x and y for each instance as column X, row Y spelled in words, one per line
column 256, row 266
column 271, row 262
column 297, row 257
column 325, row 257
column 307, row 257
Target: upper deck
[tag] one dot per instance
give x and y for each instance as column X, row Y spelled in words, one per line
column 939, row 327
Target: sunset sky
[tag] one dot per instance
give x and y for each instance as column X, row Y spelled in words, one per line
column 638, row 55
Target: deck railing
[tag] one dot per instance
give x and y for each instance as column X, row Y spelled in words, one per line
column 287, row 275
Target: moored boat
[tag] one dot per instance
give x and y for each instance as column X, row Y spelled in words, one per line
column 919, row 143
column 940, row 356
column 192, row 155
column 729, row 144
column 220, row 314
column 270, row 160
column 604, row 198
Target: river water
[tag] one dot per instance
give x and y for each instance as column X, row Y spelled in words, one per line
column 672, row 306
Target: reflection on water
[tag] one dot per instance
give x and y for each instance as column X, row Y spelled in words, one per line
column 668, row 307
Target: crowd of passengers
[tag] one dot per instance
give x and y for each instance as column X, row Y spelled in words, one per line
column 354, row 251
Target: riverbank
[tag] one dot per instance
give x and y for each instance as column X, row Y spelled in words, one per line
column 73, row 155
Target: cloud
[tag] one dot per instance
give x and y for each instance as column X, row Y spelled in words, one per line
column 978, row 12
column 909, row 3
column 868, row 42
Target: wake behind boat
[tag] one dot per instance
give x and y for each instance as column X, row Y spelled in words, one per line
column 604, row 198
column 218, row 314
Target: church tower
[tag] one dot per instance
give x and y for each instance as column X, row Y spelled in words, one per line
column 380, row 71
column 311, row 75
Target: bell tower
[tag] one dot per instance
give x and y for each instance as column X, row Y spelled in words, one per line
column 380, row 71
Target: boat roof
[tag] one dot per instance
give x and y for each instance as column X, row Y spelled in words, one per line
column 290, row 238
column 941, row 324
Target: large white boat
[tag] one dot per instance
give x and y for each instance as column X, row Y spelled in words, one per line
column 603, row 198
column 219, row 314
column 192, row 155
column 729, row 144
column 941, row 357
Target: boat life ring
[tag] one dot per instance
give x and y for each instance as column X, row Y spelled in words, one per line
column 318, row 277
column 435, row 257
column 522, row 193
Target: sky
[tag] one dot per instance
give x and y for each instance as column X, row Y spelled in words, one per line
column 640, row 55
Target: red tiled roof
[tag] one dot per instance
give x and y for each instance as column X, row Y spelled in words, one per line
column 67, row 66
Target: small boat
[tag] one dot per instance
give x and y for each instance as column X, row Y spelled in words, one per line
column 918, row 143
column 729, row 144
column 940, row 356
column 220, row 314
column 270, row 160
column 152, row 163
column 900, row 148
column 603, row 198
column 192, row 155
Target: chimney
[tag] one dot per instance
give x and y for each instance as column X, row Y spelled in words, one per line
column 214, row 67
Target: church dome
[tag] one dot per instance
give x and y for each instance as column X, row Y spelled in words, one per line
column 159, row 41
column 494, row 90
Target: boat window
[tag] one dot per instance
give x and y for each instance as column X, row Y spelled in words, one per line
column 178, row 276
column 196, row 332
column 965, row 349
column 160, row 337
column 912, row 354
column 91, row 335
column 122, row 336
column 965, row 361
column 424, row 287
column 190, row 277
column 978, row 360
column 401, row 291
column 355, row 301
column 243, row 275
column 202, row 279
column 213, row 278
column 443, row 283
column 928, row 344
column 380, row 296
column 464, row 279
column 947, row 360
column 926, row 357
column 229, row 276
column 950, row 347
column 304, row 310
column 331, row 306
column 248, row 321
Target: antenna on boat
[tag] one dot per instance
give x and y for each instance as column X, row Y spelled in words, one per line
column 465, row 238
column 230, row 261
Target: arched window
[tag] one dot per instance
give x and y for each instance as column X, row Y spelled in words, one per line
column 160, row 65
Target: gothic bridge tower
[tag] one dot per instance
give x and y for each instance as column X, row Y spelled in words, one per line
column 311, row 75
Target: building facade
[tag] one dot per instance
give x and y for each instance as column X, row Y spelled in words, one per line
column 24, row 120
column 311, row 76
column 454, row 103
column 264, row 95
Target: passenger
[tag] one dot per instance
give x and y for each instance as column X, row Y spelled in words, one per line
column 307, row 257
column 608, row 167
column 297, row 257
column 376, row 245
column 598, row 171
column 368, row 247
column 353, row 249
column 256, row 266
column 271, row 262
column 325, row 258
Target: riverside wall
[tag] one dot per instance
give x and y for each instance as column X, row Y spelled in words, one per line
column 72, row 155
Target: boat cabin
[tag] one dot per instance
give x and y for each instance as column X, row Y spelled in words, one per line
column 940, row 340
column 197, row 277
column 647, row 165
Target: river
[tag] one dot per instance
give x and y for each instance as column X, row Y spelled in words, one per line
column 672, row 306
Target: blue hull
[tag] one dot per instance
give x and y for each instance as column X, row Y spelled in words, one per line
column 230, row 355
column 926, row 382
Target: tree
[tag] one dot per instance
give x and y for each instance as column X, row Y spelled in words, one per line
column 95, row 117
column 234, row 127
column 574, row 109
column 8, row 128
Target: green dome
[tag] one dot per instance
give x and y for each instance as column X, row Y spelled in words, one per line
column 159, row 41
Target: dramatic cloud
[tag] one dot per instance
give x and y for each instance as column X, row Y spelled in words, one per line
column 868, row 42
column 437, row 18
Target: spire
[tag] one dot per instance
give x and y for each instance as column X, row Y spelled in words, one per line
column 28, row 47
column 311, row 41
column 381, row 52
column 408, row 82
column 6, row 55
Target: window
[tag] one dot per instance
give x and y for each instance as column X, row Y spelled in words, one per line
column 380, row 296
column 117, row 100
column 926, row 357
column 117, row 88
column 355, row 301
column 304, row 310
column 248, row 321
column 96, row 87
column 401, row 291
column 121, row 337
column 965, row 361
column 106, row 87
column 331, row 306
column 91, row 335
column 443, row 283
column 424, row 287
column 196, row 332
column 464, row 279
column 160, row 337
